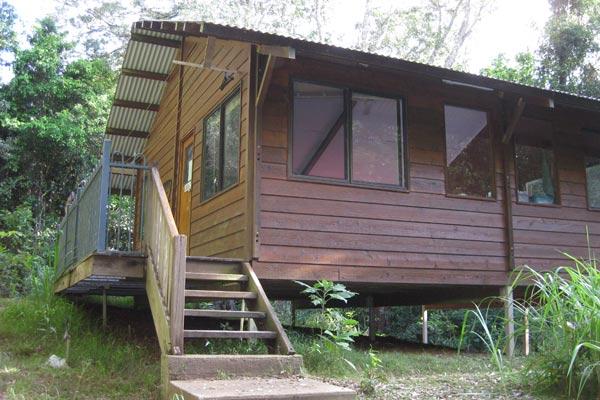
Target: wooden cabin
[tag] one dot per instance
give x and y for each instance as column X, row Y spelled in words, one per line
column 316, row 162
column 412, row 184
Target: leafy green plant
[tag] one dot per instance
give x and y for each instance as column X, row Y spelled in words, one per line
column 335, row 325
column 337, row 328
column 372, row 373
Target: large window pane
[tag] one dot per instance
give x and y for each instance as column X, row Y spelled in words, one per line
column 469, row 159
column 232, row 142
column 318, row 140
column 536, row 175
column 592, row 171
column 375, row 140
column 211, row 155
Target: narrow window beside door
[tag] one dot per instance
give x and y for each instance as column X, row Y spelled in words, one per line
column 221, row 148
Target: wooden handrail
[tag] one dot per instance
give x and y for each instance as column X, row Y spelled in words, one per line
column 283, row 344
column 165, row 271
column 164, row 202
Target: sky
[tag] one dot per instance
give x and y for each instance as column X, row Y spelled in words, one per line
column 513, row 26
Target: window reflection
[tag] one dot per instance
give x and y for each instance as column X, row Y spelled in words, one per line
column 375, row 140
column 536, row 175
column 469, row 159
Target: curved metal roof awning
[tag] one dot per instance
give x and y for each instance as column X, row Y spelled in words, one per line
column 147, row 64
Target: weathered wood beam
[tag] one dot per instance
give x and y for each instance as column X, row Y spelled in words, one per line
column 202, row 66
column 424, row 327
column 127, row 132
column 509, row 317
column 516, row 116
column 277, row 51
column 137, row 37
column 136, row 73
column 136, row 104
column 209, row 51
column 265, row 82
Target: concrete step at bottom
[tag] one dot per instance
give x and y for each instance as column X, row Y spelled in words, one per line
column 260, row 388
column 215, row 366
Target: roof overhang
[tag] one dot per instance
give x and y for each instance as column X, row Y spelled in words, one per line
column 154, row 45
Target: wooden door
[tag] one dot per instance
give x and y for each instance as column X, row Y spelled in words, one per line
column 185, row 185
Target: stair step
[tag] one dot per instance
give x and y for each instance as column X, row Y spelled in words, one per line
column 213, row 265
column 260, row 388
column 219, row 334
column 212, row 276
column 225, row 314
column 220, row 294
column 212, row 366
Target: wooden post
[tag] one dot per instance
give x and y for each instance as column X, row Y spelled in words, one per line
column 509, row 327
column 424, row 333
column 371, row 319
column 104, row 313
column 293, row 311
column 526, row 338
column 178, row 293
column 243, row 308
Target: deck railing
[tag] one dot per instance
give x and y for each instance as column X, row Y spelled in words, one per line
column 103, row 214
column 166, row 250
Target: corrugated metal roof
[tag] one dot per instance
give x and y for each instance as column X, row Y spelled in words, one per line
column 127, row 145
column 153, row 57
column 149, row 57
column 131, row 119
column 139, row 87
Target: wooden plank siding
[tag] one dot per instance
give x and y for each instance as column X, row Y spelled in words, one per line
column 313, row 230
column 218, row 225
column 543, row 232
column 309, row 229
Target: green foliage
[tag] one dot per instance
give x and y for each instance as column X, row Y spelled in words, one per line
column 564, row 317
column 522, row 70
column 121, row 215
column 338, row 328
column 568, row 56
column 51, row 123
column 32, row 329
column 24, row 254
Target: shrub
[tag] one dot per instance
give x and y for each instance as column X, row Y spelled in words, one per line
column 565, row 315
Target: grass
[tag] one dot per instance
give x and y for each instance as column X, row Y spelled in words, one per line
column 123, row 362
column 110, row 365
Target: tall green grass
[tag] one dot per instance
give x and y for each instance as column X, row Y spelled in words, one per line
column 565, row 317
column 564, row 322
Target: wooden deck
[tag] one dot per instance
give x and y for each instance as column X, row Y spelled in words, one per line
column 119, row 274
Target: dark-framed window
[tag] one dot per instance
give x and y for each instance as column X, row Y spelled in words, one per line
column 469, row 152
column 221, row 146
column 591, row 141
column 344, row 135
column 535, row 168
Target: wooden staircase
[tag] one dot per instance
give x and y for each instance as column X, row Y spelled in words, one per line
column 184, row 294
column 214, row 281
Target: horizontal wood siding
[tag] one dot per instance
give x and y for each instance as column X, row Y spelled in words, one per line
column 314, row 230
column 541, row 233
column 217, row 226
